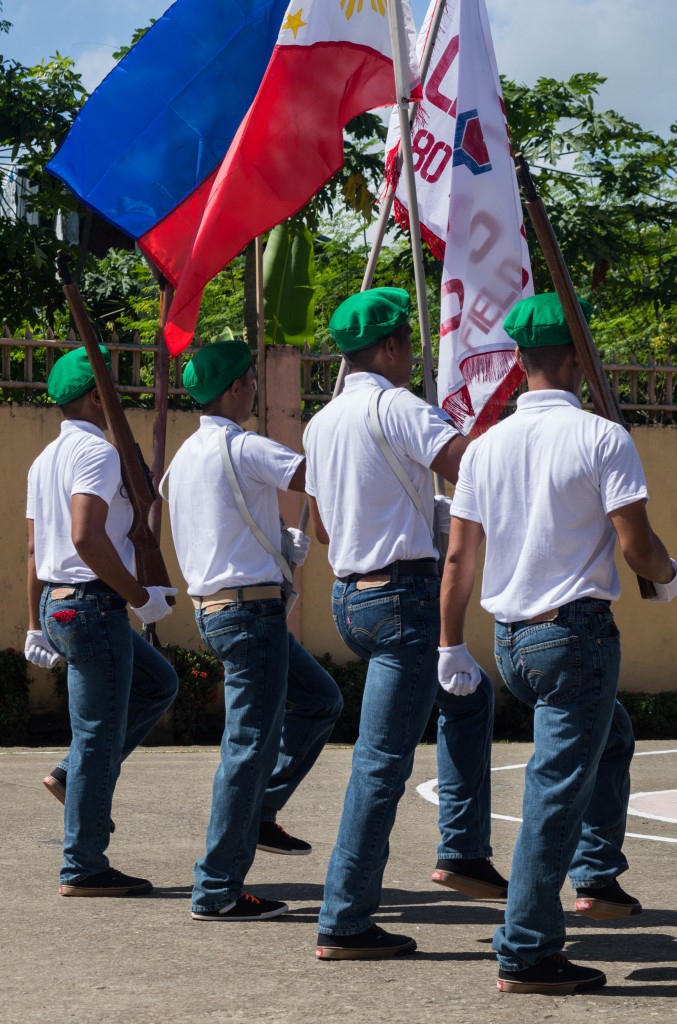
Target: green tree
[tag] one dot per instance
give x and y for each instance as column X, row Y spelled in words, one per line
column 37, row 107
column 610, row 190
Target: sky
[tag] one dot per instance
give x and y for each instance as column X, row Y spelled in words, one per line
column 632, row 44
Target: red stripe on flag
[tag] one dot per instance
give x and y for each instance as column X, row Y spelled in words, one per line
column 289, row 145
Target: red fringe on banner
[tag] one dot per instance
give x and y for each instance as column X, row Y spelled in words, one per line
column 392, row 174
column 494, row 407
column 487, row 366
column 435, row 244
column 458, row 406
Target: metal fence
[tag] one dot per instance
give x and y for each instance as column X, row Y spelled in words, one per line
column 27, row 362
column 645, row 391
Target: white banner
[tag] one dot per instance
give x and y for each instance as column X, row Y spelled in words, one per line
column 470, row 213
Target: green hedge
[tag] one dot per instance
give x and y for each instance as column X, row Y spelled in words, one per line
column 14, row 711
column 654, row 715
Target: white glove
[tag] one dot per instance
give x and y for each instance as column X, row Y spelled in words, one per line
column 156, row 606
column 457, row 671
column 301, row 545
column 39, row 651
column 666, row 591
column 443, row 513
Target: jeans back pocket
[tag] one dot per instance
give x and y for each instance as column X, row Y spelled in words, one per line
column 552, row 667
column 68, row 632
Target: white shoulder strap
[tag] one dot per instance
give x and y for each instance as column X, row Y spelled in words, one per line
column 160, row 489
column 244, row 511
column 389, row 454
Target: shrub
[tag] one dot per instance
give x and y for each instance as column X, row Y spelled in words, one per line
column 653, row 715
column 14, row 712
column 200, row 681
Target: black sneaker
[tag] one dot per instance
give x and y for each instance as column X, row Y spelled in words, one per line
column 606, row 903
column 274, row 839
column 245, row 908
column 553, row 976
column 107, row 883
column 374, row 944
column 56, row 784
column 476, row 877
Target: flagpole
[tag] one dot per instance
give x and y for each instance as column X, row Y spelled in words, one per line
column 260, row 340
column 389, row 196
column 401, row 63
column 407, row 114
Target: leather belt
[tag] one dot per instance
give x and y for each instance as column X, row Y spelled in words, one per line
column 405, row 567
column 233, row 595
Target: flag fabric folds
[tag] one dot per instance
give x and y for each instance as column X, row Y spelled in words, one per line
column 470, row 213
column 332, row 61
column 163, row 119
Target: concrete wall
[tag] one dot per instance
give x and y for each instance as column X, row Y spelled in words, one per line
column 649, row 629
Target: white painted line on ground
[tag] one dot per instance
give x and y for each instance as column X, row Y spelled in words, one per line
column 654, row 839
column 638, row 812
column 428, row 790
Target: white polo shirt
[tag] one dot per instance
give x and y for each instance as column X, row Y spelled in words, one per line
column 370, row 518
column 541, row 484
column 214, row 545
column 79, row 461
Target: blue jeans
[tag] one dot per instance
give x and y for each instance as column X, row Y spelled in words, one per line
column 396, row 629
column 577, row 781
column 266, row 750
column 464, row 733
column 118, row 688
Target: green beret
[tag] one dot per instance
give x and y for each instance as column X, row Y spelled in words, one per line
column 364, row 318
column 213, row 369
column 540, row 320
column 72, row 375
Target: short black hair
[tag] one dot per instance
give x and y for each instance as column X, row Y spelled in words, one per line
column 545, row 358
column 364, row 357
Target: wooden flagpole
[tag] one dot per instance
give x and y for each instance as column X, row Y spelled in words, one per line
column 260, row 339
column 161, row 402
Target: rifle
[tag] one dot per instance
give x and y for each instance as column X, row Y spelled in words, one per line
column 604, row 401
column 150, row 566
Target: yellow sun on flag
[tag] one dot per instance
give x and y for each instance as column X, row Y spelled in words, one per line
column 350, row 6
column 294, row 22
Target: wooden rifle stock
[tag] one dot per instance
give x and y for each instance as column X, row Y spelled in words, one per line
column 603, row 399
column 150, row 566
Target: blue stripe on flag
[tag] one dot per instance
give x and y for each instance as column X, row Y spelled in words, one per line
column 164, row 117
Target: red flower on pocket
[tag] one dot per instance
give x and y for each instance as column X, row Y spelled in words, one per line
column 65, row 616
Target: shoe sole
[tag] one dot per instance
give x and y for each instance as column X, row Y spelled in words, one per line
column 601, row 910
column 469, row 886
column 367, row 953
column 284, row 909
column 128, row 890
column 58, row 790
column 285, row 853
column 568, row 988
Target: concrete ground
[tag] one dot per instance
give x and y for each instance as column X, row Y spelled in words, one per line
column 145, row 960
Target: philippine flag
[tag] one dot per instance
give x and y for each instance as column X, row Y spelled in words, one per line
column 333, row 60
